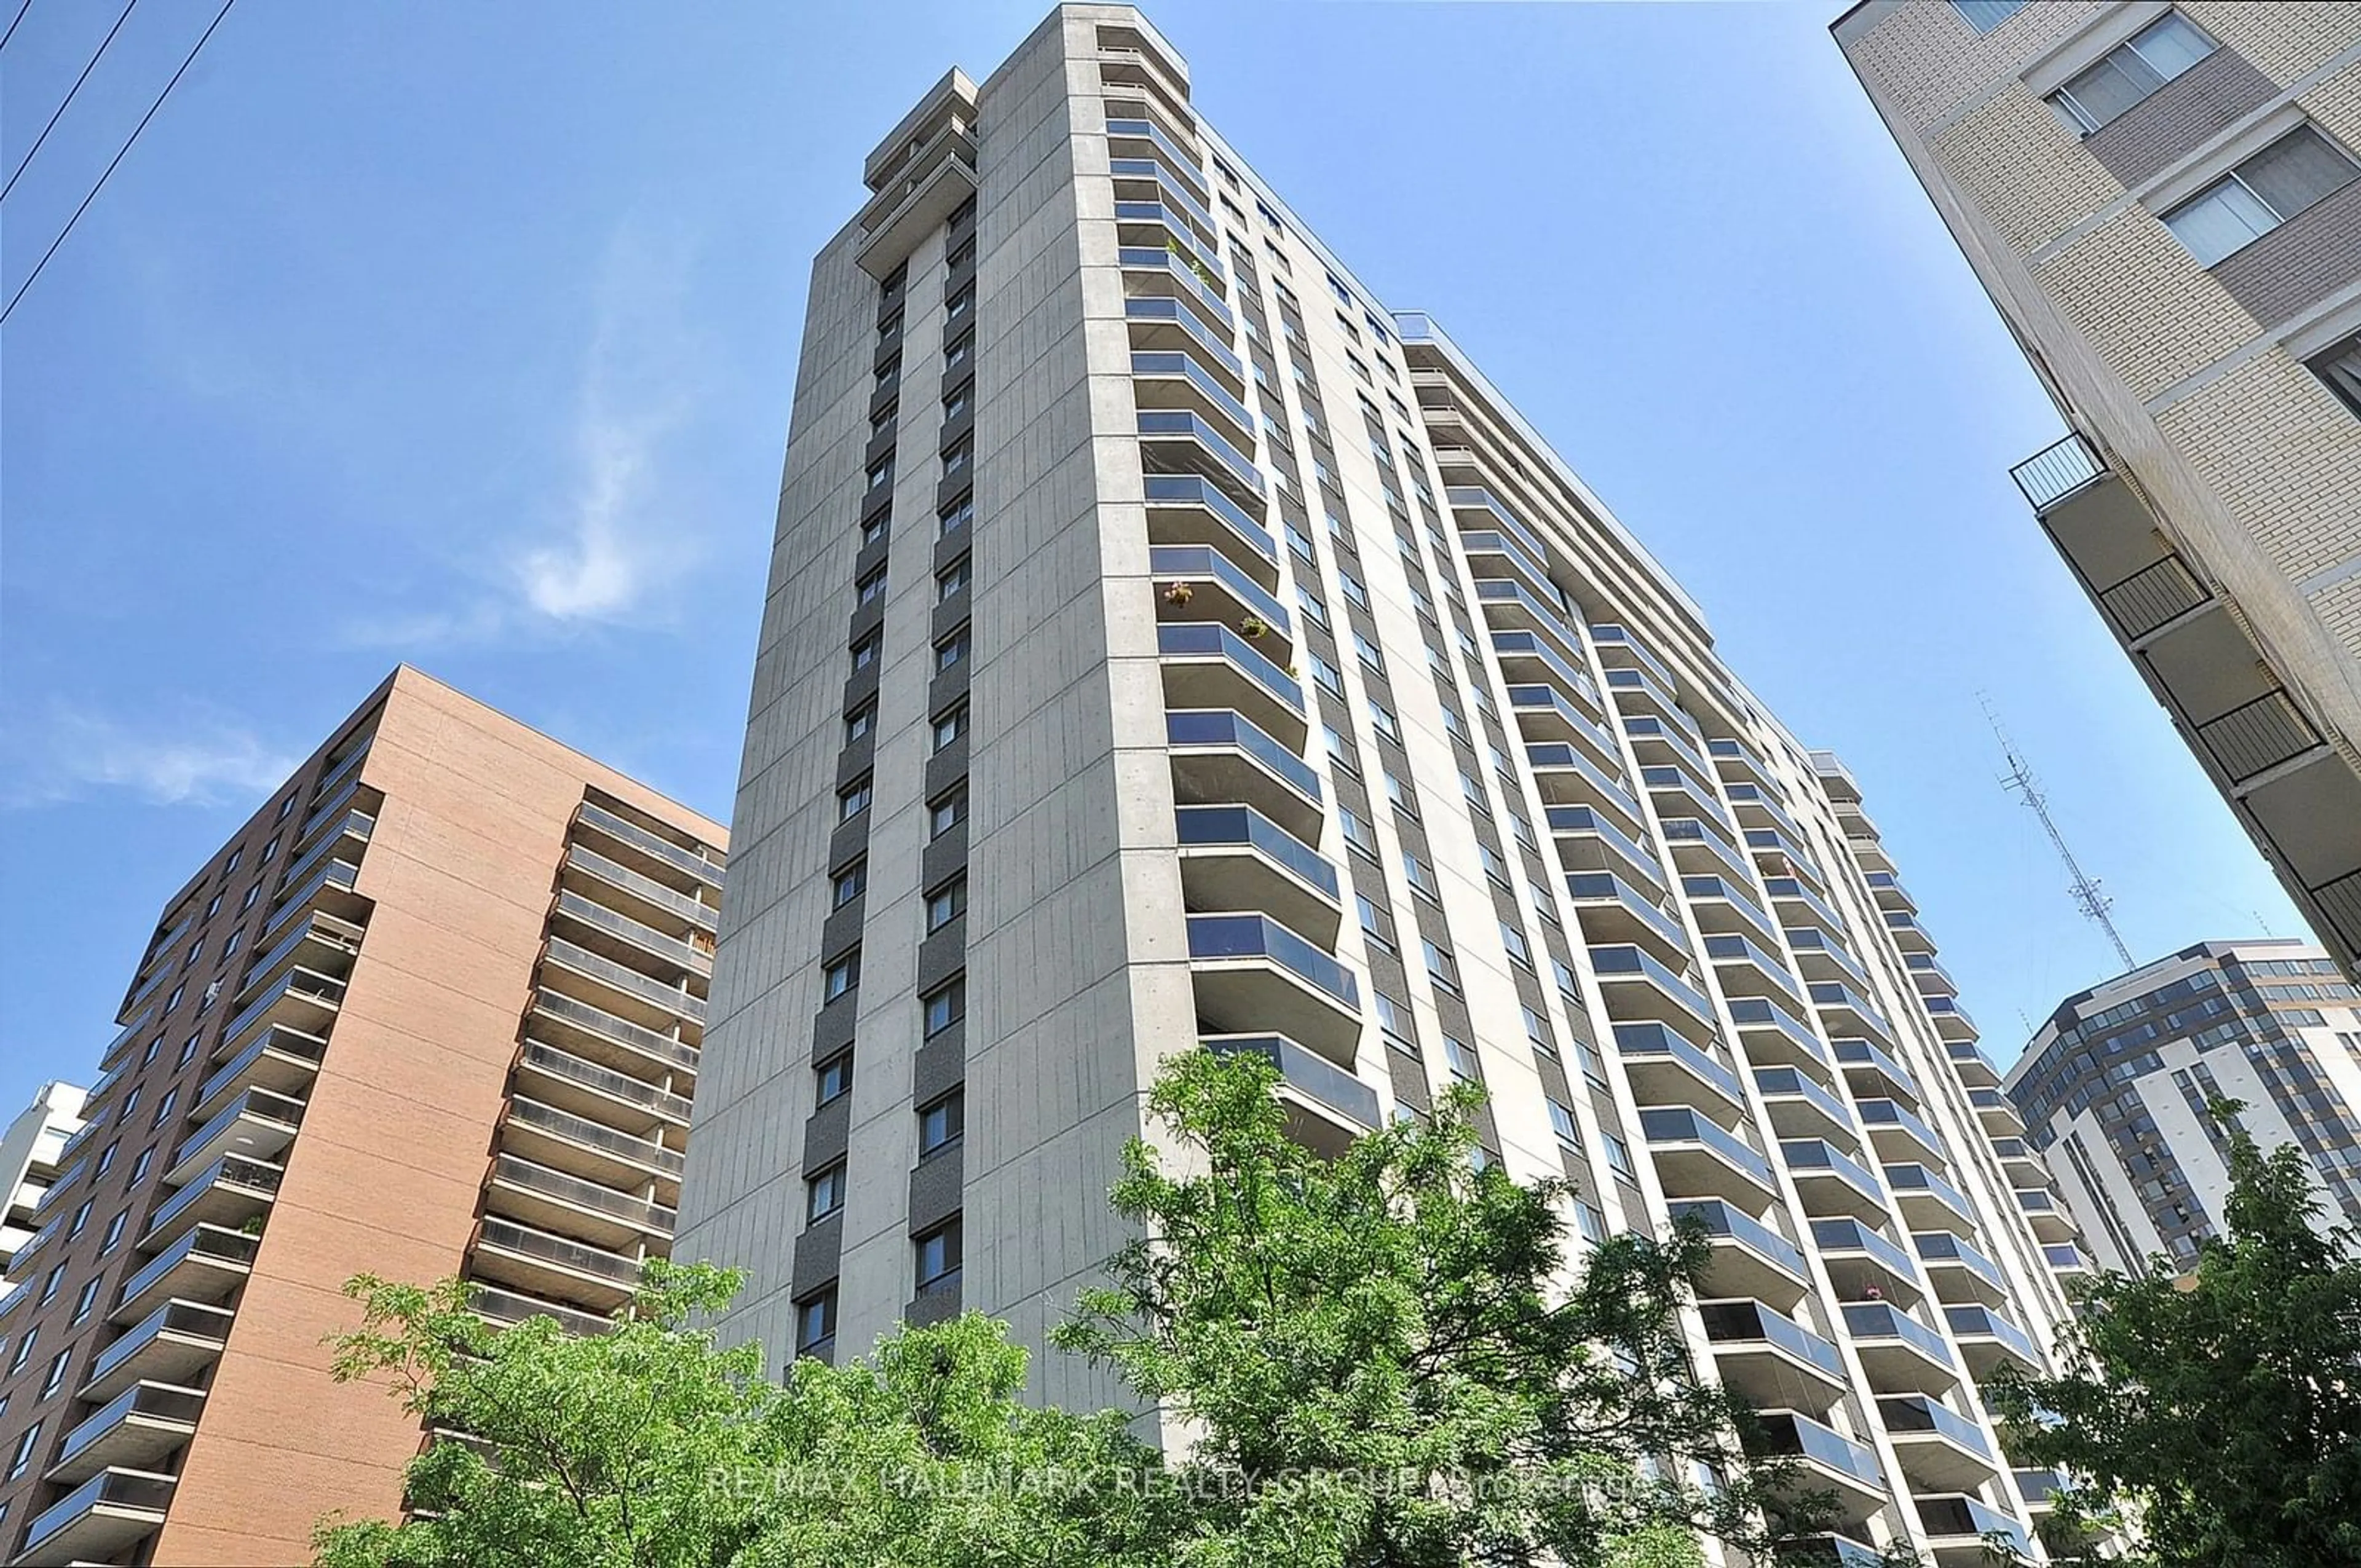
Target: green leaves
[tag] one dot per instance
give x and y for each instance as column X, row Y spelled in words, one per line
column 2221, row 1411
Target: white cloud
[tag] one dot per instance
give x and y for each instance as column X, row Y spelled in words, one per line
column 69, row 754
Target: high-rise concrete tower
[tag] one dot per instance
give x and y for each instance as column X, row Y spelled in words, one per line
column 1168, row 643
column 433, row 1010
column 2164, row 201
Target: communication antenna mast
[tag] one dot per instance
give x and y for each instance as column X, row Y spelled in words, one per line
column 2019, row 781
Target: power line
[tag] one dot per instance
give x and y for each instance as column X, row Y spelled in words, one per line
column 60, row 114
column 129, row 142
column 2088, row 898
column 13, row 21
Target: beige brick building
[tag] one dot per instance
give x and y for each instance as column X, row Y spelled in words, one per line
column 2164, row 203
column 1169, row 644
column 433, row 1010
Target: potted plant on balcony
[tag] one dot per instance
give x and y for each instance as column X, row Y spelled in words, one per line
column 1253, row 626
column 1178, row 593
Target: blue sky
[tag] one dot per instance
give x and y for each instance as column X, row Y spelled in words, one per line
column 465, row 335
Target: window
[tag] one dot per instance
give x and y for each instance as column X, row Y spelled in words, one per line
column 1619, row 1157
column 213, row 907
column 1368, row 653
column 231, row 864
column 1460, row 1060
column 1339, row 751
column 1514, row 940
column 841, row 976
column 20, row 1459
column 1404, row 801
column 854, row 800
column 1392, row 1020
column 1310, row 603
column 1593, row 1067
column 864, row 652
column 171, row 1002
column 955, row 461
column 84, row 1301
column 956, row 404
column 1353, row 588
column 1537, row 1030
column 882, row 474
column 105, row 1159
column 850, row 884
column 2339, row 370
column 24, row 1351
column 953, row 579
column 824, row 1194
column 286, row 809
column 1331, row 678
column 945, row 1005
column 2130, row 72
column 950, row 727
column 959, row 516
column 832, row 1079
column 1421, row 879
column 957, row 354
column 164, row 1107
column 55, row 1378
column 229, row 943
column 1373, row 922
column 2284, row 178
column 251, row 894
column 269, row 850
column 50, row 1285
column 956, row 308
column 1442, row 968
column 871, row 588
column 1494, row 866
column 140, row 1166
column 1983, row 16
column 1382, row 720
column 943, row 1123
column 939, row 1255
column 946, row 903
column 1357, row 832
column 859, row 722
column 1589, row 1222
column 80, row 1221
column 815, row 1323
column 947, row 813
column 1562, row 1124
column 953, row 649
column 114, row 1233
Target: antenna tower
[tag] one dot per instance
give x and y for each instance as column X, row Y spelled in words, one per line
column 2019, row 781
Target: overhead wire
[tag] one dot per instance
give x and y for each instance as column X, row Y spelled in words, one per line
column 121, row 153
column 27, row 160
column 13, row 21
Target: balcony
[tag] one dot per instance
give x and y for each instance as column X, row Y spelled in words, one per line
column 279, row 1060
column 1215, row 590
column 348, row 837
column 1988, row 1338
column 2068, row 1260
column 1873, row 1074
column 506, row 1308
column 1183, row 509
column 2050, row 1221
column 598, row 1035
column 1678, row 794
column 1961, row 1272
column 1666, row 1070
column 1940, row 1450
column 1860, row 1259
column 1909, row 935
column 1830, row 1461
column 1648, row 729
column 1696, row 1157
column 1486, row 509
column 1722, row 904
column 301, row 999
column 544, row 1264
column 1900, row 1353
column 1163, row 186
column 321, row 944
column 591, row 1211
column 254, row 1122
column 1745, row 969
column 1792, row 893
column 1959, row 1528
column 1774, row 1036
column 2039, row 1488
column 1149, row 225
column 333, row 885
column 1233, row 857
column 104, row 1519
column 1701, row 850
column 175, row 1343
column 1254, row 976
column 1213, row 666
column 2020, row 1162
column 1752, row 801
column 1613, row 910
column 20, row 1261
column 1853, row 1013
column 1637, row 986
column 1492, row 554
column 1801, row 1108
column 1567, row 776
column 1544, row 714
column 1825, row 958
column 1549, row 658
column 1899, row 1134
column 1997, row 1113
column 590, row 924
column 1327, row 1106
column 1620, row 646
column 1927, row 1200
column 204, row 1266
column 1749, row 1257
column 1587, row 841
column 233, row 1192
column 137, row 1430
column 1832, row 1551
column 558, row 1077
column 919, row 201
column 1830, row 1181
column 122, row 1041
column 1219, row 756
column 589, row 1149
column 619, row 989
column 1152, row 273
column 1637, row 688
column 643, row 898
column 1769, row 1358
column 1182, row 161
column 1162, row 325
column 1510, row 606
column 1953, row 1023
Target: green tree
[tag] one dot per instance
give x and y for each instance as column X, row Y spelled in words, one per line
column 648, row 1447
column 1375, row 1369
column 2219, row 1412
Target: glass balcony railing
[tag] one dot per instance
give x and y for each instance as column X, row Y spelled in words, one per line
column 1811, row 941
column 1916, row 1413
column 678, row 999
column 1734, row 894
column 1176, row 226
column 1680, row 782
column 1259, row 936
column 1731, row 947
column 539, row 1180
column 1476, row 497
column 1308, row 1072
column 260, row 1104
column 1206, row 299
column 227, row 1247
column 506, row 1308
column 1834, row 993
column 1890, row 1113
column 1840, row 1234
column 1747, row 1322
column 1649, row 727
column 580, row 1130
column 2068, row 1258
column 1185, row 163
column 1662, row 1125
column 1961, row 1515
column 1548, row 755
column 1760, row 800
column 1582, row 819
column 1175, row 194
column 1720, row 1219
column 1220, row 727
column 318, row 989
column 1606, row 634
column 1509, row 591
column 1942, row 1246
column 230, row 1170
column 1787, row 887
column 179, row 1407
column 356, row 825
column 1820, row 1154
column 1862, row 1054
column 1157, row 308
column 1485, row 542
column 1170, row 561
column 192, row 1320
column 599, row 1022
column 1547, row 700
column 1912, row 1178
column 1760, row 1013
column 1618, row 961
column 324, row 814
column 1644, row 1041
column 341, row 938
column 1786, row 1082
column 546, row 1059
column 1198, row 639
column 540, row 1245
column 1188, row 489
column 645, row 937
column 1606, row 887
column 1243, row 825
column 1514, row 644
column 331, row 874
column 1788, row 1432
column 130, row 1493
column 1982, row 1323
column 646, row 889
column 1186, row 368
column 1883, row 1320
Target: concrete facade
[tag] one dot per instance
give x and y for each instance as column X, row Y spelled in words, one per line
column 2115, row 1090
column 1167, row 642
column 2210, row 498
column 434, row 1010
